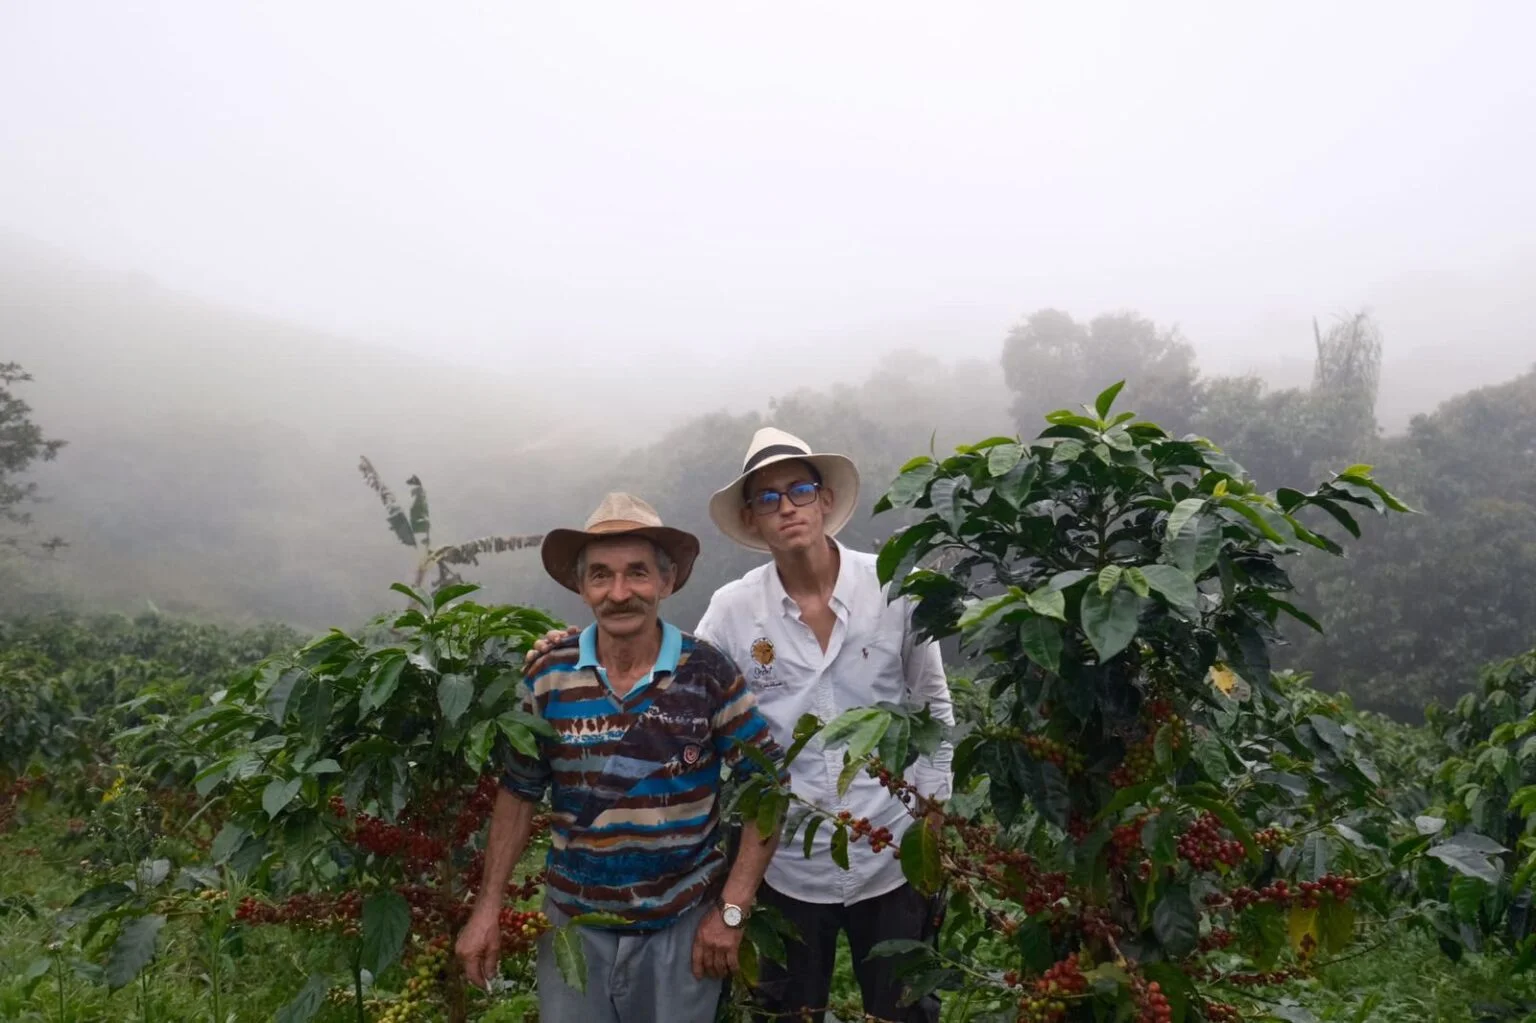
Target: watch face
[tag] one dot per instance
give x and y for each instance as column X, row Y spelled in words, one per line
column 732, row 915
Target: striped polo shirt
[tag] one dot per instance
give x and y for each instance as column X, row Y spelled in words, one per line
column 634, row 781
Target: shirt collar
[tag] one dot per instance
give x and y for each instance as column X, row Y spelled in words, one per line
column 842, row 590
column 666, row 660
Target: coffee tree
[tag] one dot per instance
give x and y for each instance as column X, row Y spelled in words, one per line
column 355, row 783
column 1485, row 779
column 1150, row 823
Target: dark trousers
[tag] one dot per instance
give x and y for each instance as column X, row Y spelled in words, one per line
column 797, row 991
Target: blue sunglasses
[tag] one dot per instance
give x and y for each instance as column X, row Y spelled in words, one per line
column 766, row 502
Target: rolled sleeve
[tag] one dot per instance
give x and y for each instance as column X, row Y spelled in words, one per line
column 524, row 776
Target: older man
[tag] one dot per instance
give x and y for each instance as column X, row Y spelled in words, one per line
column 645, row 715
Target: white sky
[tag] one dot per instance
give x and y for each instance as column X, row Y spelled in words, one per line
column 621, row 183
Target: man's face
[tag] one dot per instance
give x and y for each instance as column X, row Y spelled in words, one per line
column 790, row 527
column 623, row 585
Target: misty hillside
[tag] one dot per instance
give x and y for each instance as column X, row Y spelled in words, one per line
column 212, row 458
column 211, row 466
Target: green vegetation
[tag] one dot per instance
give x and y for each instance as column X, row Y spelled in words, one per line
column 1151, row 821
column 1234, row 744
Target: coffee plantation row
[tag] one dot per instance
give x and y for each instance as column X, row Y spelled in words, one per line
column 1151, row 821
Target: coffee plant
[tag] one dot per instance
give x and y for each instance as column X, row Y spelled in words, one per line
column 354, row 779
column 1150, row 823
column 1485, row 780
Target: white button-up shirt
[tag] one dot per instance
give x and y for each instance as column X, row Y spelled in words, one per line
column 872, row 656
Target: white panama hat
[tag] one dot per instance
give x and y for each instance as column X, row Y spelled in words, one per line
column 769, row 445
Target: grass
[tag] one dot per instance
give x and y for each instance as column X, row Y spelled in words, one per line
column 1409, row 980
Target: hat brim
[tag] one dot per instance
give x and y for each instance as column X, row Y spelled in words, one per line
column 562, row 548
column 838, row 474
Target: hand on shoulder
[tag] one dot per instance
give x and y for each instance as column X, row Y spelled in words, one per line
column 546, row 643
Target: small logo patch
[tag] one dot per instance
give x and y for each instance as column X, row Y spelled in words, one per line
column 762, row 664
column 762, row 651
column 691, row 754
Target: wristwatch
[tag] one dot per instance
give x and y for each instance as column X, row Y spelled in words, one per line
column 733, row 915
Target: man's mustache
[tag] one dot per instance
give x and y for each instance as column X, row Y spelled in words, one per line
column 627, row 607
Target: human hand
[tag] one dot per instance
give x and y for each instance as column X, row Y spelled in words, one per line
column 479, row 948
column 545, row 644
column 715, row 947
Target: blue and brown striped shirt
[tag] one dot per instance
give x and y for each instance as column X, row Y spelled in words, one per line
column 634, row 781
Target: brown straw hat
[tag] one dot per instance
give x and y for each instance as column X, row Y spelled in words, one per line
column 619, row 515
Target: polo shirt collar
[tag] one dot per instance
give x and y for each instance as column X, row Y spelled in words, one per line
column 666, row 659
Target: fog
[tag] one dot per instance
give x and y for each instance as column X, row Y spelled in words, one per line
column 751, row 197
column 534, row 252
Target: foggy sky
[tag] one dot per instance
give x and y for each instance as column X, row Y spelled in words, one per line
column 787, row 185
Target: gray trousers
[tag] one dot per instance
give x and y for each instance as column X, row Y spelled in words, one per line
column 631, row 978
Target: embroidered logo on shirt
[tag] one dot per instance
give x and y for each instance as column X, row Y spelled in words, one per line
column 762, row 651
column 762, row 666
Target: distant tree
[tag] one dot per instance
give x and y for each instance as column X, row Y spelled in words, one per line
column 1282, row 436
column 1050, row 360
column 1291, row 435
column 414, row 529
column 1416, row 608
column 22, row 444
column 1346, row 377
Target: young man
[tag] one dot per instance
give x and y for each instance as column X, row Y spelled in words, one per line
column 644, row 716
column 815, row 633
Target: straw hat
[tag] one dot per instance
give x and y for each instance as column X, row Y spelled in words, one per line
column 619, row 515
column 769, row 446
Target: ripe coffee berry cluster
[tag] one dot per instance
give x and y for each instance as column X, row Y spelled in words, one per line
column 1203, row 847
column 476, row 810
column 1054, row 751
column 1043, row 893
column 1045, row 1003
column 410, row 840
column 374, row 836
column 1154, row 1004
column 1125, row 841
column 1098, row 925
column 432, row 910
column 1339, row 886
column 1221, row 1012
column 879, row 838
column 1141, row 756
column 307, row 910
column 520, row 930
column 1218, row 940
